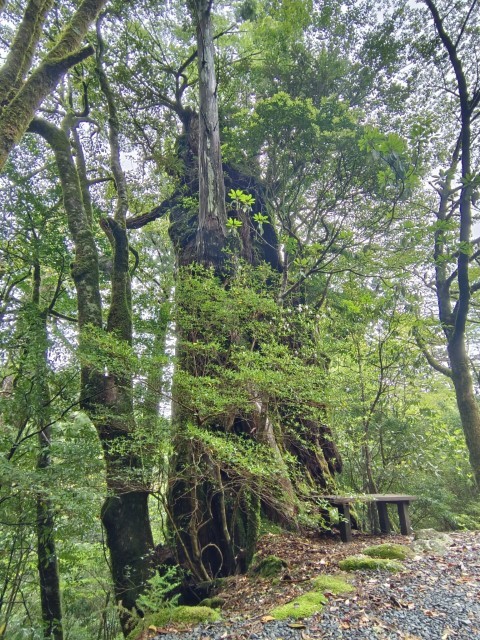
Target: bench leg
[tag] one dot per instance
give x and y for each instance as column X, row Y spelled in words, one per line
column 404, row 518
column 383, row 517
column 345, row 523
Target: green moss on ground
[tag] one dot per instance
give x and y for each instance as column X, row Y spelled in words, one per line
column 214, row 603
column 302, row 607
column 312, row 601
column 269, row 567
column 365, row 563
column 389, row 550
column 181, row 616
column 332, row 584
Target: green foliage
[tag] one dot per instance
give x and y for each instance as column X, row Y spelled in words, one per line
column 158, row 594
column 219, row 327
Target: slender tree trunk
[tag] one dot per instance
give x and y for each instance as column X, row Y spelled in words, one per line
column 467, row 402
column 454, row 318
column 48, row 571
column 125, row 514
column 47, row 561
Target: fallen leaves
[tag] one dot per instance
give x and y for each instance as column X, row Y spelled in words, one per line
column 265, row 619
column 434, row 614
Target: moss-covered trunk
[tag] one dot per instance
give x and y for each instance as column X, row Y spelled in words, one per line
column 107, row 398
column 22, row 99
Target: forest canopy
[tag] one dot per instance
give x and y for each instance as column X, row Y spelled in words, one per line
column 239, row 270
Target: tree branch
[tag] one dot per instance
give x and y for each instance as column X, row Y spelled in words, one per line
column 428, row 356
column 158, row 212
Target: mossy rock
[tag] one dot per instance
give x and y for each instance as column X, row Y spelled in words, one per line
column 433, row 534
column 182, row 616
column 389, row 551
column 269, row 567
column 301, row 607
column 365, row 563
column 332, row 584
column 214, row 603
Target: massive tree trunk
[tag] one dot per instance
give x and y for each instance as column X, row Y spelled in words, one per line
column 214, row 518
column 214, row 511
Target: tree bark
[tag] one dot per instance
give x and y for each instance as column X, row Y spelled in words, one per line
column 212, row 217
column 22, row 49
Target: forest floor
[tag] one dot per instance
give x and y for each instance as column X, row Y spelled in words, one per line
column 436, row 597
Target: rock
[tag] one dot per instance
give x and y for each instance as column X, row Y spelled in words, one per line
column 431, row 541
column 432, row 534
column 269, row 567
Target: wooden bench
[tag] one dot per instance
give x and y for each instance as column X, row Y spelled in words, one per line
column 342, row 503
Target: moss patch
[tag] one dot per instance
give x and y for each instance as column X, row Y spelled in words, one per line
column 332, row 584
column 214, row 603
column 365, row 563
column 269, row 567
column 389, row 551
column 181, row 616
column 312, row 601
column 302, row 607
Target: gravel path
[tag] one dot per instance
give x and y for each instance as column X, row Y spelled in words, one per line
column 437, row 598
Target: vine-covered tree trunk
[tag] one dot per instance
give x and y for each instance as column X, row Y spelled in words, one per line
column 213, row 520
column 214, row 514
